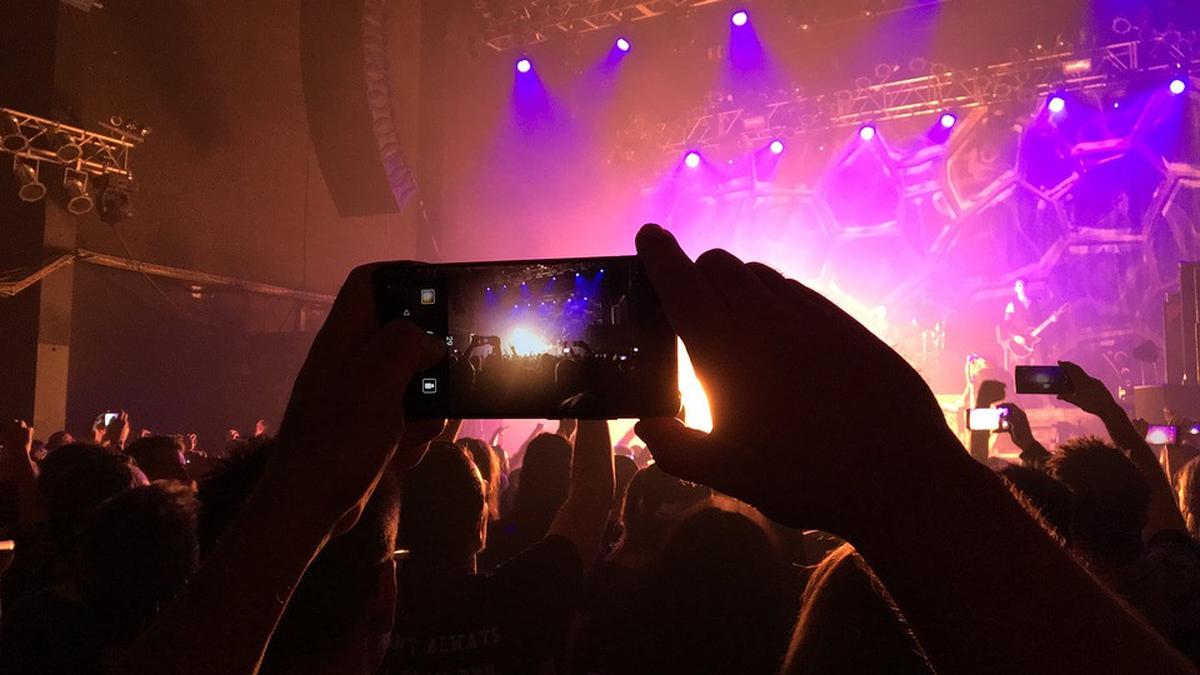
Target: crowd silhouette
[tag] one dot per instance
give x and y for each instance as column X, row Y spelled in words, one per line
column 357, row 541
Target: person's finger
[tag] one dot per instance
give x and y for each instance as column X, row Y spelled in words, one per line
column 681, row 451
column 350, row 325
column 733, row 282
column 684, row 292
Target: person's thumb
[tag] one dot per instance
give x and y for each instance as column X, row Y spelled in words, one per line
column 683, row 452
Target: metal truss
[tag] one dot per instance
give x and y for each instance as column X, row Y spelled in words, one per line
column 534, row 21
column 41, row 140
column 1021, row 81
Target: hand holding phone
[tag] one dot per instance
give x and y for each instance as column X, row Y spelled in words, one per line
column 561, row 332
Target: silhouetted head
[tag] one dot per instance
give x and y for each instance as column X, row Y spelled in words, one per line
column 78, row 477
column 720, row 597
column 849, row 624
column 340, row 616
column 1187, row 486
column 443, row 516
column 545, row 482
column 136, row 551
column 1109, row 499
column 1048, row 496
column 160, row 457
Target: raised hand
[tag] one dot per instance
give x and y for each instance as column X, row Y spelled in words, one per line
column 344, row 421
column 1018, row 426
column 117, row 431
column 1089, row 395
column 788, row 375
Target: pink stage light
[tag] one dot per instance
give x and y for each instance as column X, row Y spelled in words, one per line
column 1178, row 86
column 524, row 65
column 948, row 120
column 1057, row 104
column 740, row 17
column 623, row 44
column 692, row 159
column 777, row 147
column 867, row 132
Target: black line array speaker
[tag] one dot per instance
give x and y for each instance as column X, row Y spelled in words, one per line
column 343, row 66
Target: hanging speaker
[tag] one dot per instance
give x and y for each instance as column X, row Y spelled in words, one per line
column 347, row 95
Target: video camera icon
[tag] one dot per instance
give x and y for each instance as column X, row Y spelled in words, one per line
column 429, row 385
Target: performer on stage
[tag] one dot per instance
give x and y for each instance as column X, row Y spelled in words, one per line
column 1025, row 319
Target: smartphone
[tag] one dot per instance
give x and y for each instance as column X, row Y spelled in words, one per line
column 536, row 339
column 109, row 418
column 1162, row 434
column 987, row 419
column 1042, row 380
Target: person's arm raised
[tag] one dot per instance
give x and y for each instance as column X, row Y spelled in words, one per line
column 343, row 425
column 584, row 515
column 1033, row 453
column 962, row 558
column 1091, row 396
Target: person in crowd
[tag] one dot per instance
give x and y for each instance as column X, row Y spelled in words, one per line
column 544, row 484
column 716, row 601
column 924, row 511
column 849, row 624
column 340, row 617
column 160, row 458
column 1188, row 487
column 136, row 550
column 514, row 620
column 488, row 463
column 71, row 482
column 618, row 587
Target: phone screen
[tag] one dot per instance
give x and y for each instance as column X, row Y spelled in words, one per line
column 1162, row 434
column 536, row 339
column 987, row 419
column 1041, row 380
column 109, row 418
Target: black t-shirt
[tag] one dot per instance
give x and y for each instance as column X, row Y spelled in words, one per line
column 510, row 621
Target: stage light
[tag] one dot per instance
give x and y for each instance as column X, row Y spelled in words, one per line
column 866, row 132
column 623, row 44
column 740, row 17
column 11, row 137
column 1057, row 104
column 692, row 159
column 524, row 65
column 948, row 120
column 79, row 201
column 1178, row 86
column 776, row 147
column 65, row 148
column 29, row 189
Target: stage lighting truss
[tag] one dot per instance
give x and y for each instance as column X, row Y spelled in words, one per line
column 35, row 142
column 42, row 140
column 928, row 95
column 509, row 24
